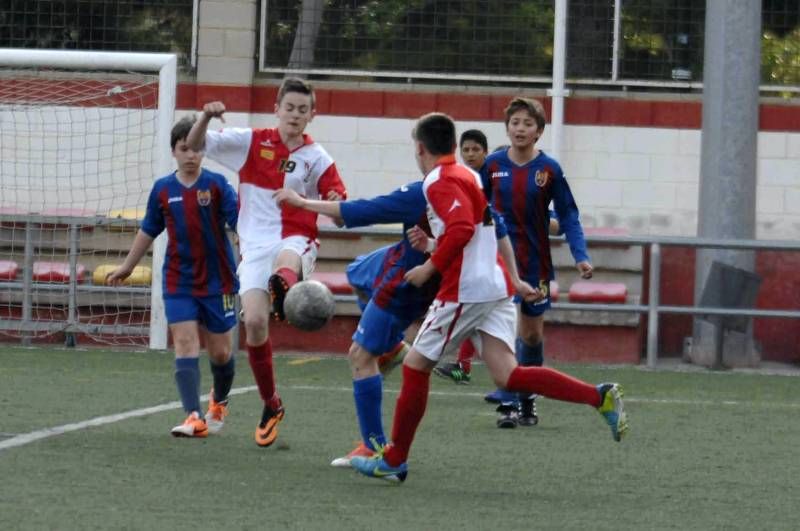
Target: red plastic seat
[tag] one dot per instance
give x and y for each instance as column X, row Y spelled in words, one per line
column 55, row 272
column 336, row 282
column 599, row 292
column 8, row 270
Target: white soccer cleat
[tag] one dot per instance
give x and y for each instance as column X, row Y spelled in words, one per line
column 362, row 450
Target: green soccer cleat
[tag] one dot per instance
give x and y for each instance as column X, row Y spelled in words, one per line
column 453, row 371
column 613, row 410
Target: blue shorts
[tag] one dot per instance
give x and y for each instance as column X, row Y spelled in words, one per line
column 216, row 312
column 535, row 309
column 378, row 330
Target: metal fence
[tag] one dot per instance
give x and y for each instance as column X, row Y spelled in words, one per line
column 655, row 43
column 75, row 294
column 99, row 25
column 614, row 42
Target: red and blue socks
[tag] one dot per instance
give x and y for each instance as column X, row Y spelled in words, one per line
column 465, row 355
column 552, row 384
column 223, row 378
column 408, row 414
column 368, row 393
column 288, row 274
column 187, row 378
column 260, row 358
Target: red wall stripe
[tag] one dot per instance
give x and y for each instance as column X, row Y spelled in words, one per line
column 610, row 111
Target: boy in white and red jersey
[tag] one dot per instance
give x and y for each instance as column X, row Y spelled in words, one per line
column 473, row 302
column 278, row 244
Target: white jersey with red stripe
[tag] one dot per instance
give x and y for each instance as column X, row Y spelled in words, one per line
column 466, row 250
column 265, row 164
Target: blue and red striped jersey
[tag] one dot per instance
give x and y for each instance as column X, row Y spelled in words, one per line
column 521, row 195
column 199, row 259
column 380, row 273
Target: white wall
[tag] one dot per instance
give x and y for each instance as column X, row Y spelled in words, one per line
column 642, row 179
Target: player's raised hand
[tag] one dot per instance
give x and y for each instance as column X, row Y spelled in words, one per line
column 421, row 274
column 214, row 109
column 418, row 239
column 287, row 196
column 116, row 277
column 585, row 269
column 333, row 195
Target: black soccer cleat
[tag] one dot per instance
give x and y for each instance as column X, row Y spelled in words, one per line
column 509, row 416
column 527, row 412
column 278, row 287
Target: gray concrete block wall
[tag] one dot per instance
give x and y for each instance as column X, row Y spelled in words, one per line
column 227, row 41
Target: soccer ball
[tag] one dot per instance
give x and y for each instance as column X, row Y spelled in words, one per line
column 309, row 305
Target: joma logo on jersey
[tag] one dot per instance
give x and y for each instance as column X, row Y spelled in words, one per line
column 500, row 174
column 204, row 197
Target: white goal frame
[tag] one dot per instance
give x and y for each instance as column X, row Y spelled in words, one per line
column 166, row 67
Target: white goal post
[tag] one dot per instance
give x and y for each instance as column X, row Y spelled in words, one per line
column 22, row 164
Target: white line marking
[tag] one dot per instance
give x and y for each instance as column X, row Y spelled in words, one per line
column 37, row 435
column 27, row 438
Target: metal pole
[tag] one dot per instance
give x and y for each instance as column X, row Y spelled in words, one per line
column 557, row 93
column 72, row 306
column 652, row 304
column 719, row 344
column 727, row 199
column 615, row 46
column 27, row 282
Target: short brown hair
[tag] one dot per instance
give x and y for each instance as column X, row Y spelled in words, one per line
column 295, row 84
column 534, row 108
column 437, row 132
column 181, row 130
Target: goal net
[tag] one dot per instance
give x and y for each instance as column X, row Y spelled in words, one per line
column 83, row 135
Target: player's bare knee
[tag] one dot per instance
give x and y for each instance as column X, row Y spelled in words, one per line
column 219, row 355
column 531, row 337
column 256, row 323
column 186, row 345
column 359, row 358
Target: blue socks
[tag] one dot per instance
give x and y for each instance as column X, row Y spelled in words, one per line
column 368, row 393
column 223, row 378
column 530, row 356
column 187, row 378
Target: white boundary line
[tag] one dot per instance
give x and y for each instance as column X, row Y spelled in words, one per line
column 27, row 438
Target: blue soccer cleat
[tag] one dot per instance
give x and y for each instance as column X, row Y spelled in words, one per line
column 499, row 396
column 377, row 467
column 613, row 410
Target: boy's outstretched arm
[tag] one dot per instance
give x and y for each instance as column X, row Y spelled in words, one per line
column 286, row 196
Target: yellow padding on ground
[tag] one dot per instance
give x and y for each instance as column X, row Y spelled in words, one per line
column 141, row 276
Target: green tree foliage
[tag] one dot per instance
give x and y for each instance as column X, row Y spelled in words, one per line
column 442, row 36
column 780, row 58
column 110, row 25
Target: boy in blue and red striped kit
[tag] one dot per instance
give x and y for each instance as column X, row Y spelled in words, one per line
column 521, row 182
column 199, row 279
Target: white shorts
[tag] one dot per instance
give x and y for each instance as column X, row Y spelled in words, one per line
column 448, row 324
column 257, row 264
